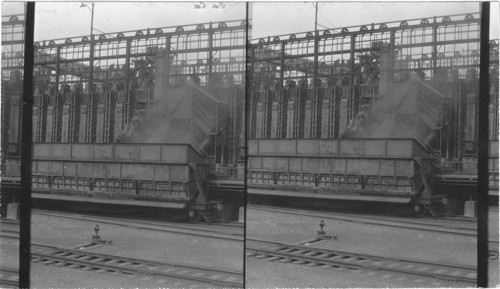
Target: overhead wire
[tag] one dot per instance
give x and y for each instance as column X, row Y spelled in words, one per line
column 324, row 18
column 100, row 22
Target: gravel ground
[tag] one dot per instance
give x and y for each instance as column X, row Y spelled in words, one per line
column 138, row 243
column 9, row 253
column 351, row 237
column 493, row 268
column 296, row 276
column 362, row 238
column 493, row 225
column 43, row 276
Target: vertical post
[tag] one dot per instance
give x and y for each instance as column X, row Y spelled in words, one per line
column 26, row 140
column 210, row 55
column 434, row 46
column 58, row 71
column 316, row 17
column 167, row 62
column 282, row 66
column 249, row 90
column 351, row 103
column 315, row 134
column 390, row 72
column 92, row 103
column 127, row 67
column 92, row 21
column 482, row 170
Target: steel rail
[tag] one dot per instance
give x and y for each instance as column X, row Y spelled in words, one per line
column 376, row 221
column 169, row 228
column 6, row 274
column 318, row 256
column 136, row 266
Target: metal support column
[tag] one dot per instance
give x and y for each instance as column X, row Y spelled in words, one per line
column 167, row 62
column 315, row 134
column 210, row 58
column 93, row 96
column 434, row 46
column 282, row 66
column 352, row 106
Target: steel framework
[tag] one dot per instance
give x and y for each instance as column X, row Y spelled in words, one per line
column 294, row 77
column 88, row 89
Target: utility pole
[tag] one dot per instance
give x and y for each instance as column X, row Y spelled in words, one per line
column 92, row 22
column 316, row 17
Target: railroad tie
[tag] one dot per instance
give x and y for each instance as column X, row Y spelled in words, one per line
column 231, row 279
column 456, row 273
column 182, row 272
column 85, row 258
column 48, row 262
column 393, row 265
column 323, row 255
column 273, row 258
column 299, row 262
column 167, row 270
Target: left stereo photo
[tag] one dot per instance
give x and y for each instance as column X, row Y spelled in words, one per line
column 138, row 143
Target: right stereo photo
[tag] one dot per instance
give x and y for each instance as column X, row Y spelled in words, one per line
column 362, row 145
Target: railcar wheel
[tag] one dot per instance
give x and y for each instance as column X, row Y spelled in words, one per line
column 419, row 210
column 194, row 216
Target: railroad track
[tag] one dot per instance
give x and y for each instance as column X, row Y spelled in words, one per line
column 172, row 274
column 372, row 220
column 224, row 232
column 9, row 222
column 380, row 221
column 334, row 259
column 9, row 277
column 9, row 229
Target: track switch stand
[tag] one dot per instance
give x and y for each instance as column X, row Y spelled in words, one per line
column 96, row 238
column 322, row 234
